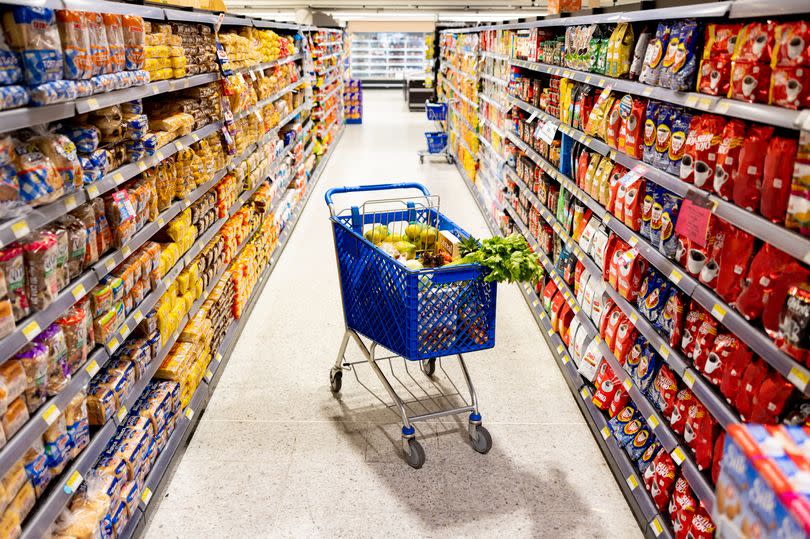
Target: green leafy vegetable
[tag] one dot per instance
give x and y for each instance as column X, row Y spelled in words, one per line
column 509, row 259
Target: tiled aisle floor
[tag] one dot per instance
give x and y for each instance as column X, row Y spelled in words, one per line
column 276, row 455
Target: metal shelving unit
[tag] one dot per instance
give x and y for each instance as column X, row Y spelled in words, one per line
column 388, row 56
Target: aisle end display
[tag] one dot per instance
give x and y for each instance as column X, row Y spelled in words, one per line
column 140, row 222
column 660, row 170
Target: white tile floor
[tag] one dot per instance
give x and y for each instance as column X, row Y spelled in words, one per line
column 276, row 455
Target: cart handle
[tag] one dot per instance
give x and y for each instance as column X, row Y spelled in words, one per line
column 374, row 187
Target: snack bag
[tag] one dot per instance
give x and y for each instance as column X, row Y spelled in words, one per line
column 680, row 61
column 728, row 153
column 632, row 111
column 33, row 33
column 747, row 177
column 750, row 81
column 778, row 169
column 790, row 87
column 664, row 121
column 738, row 248
column 651, row 70
column 755, row 42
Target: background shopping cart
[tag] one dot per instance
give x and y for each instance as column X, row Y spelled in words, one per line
column 419, row 315
column 436, row 140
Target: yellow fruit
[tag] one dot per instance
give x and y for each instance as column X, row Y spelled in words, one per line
column 394, row 238
column 413, row 230
column 429, row 236
column 377, row 234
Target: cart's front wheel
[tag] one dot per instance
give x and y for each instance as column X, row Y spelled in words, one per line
column 483, row 442
column 416, row 455
column 336, row 381
column 450, row 159
column 429, row 366
column 421, row 159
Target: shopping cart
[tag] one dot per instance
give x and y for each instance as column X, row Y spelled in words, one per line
column 436, row 140
column 419, row 315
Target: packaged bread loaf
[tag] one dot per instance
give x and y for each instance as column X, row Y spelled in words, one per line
column 33, row 33
column 34, row 359
column 77, row 245
column 58, row 368
column 62, row 248
column 61, row 151
column 57, row 445
column 78, row 426
column 40, row 183
column 133, row 41
column 41, row 253
column 10, row 69
column 115, row 41
column 23, row 502
column 12, row 265
column 49, row 93
column 15, row 417
column 99, row 49
column 74, row 326
column 36, row 467
column 75, row 38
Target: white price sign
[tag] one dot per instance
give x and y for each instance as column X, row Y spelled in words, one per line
column 548, row 131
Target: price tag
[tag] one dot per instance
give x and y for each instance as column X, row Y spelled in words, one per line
column 799, row 377
column 73, row 482
column 664, row 351
column 92, row 103
column 92, row 368
column 648, row 91
column 693, row 218
column 161, row 222
column 653, row 422
column 110, row 264
column 657, row 527
column 597, row 339
column 607, row 218
column 565, row 359
column 689, row 378
column 70, row 202
column 189, row 413
column 31, row 330
column 632, row 482
column 692, row 100
column 20, row 229
column 588, row 79
column 195, row 137
column 633, row 317
column 92, row 191
column 627, row 384
column 142, row 166
column 126, row 250
column 722, row 107
column 675, row 276
column 718, row 311
column 704, row 103
column 584, row 393
column 548, row 131
column 138, row 315
column 113, row 344
column 601, row 82
column 208, row 375
column 146, row 496
column 124, row 331
column 122, row 413
column 576, row 309
column 551, row 333
column 678, row 456
column 50, row 414
column 605, row 432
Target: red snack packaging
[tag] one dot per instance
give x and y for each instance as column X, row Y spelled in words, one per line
column 706, row 429
column 707, row 145
column 776, row 293
column 659, row 478
column 752, row 379
column 750, row 301
column 613, row 125
column 687, row 168
column 577, row 276
column 735, row 357
column 794, row 322
column 776, row 178
column 750, row 82
column 631, row 134
column 673, row 318
column 683, row 400
column 617, row 317
column 728, row 153
column 704, row 341
column 606, row 386
column 626, row 335
column 548, row 294
column 618, row 200
column 769, row 402
column 755, row 42
column 717, row 455
column 582, row 168
column 682, row 508
column 621, row 398
column 734, row 261
column 633, row 204
column 556, row 306
column 694, row 415
column 710, row 270
column 791, row 40
column 714, row 76
column 613, row 267
column 610, row 317
column 790, row 87
column 694, row 317
column 747, row 177
column 564, row 322
column 702, row 526
column 631, row 268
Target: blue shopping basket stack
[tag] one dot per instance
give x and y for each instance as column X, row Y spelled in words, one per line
column 419, row 315
column 436, row 140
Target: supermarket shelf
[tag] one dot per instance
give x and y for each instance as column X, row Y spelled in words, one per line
column 28, row 116
column 460, row 73
column 495, row 56
column 463, row 142
column 458, row 94
column 327, row 56
column 493, row 127
column 487, row 99
column 98, row 101
column 274, row 63
column 323, row 98
column 785, row 240
column 625, row 474
column 494, row 79
column 767, row 114
column 457, row 114
column 763, row 8
column 278, row 95
column 190, row 16
column 263, row 23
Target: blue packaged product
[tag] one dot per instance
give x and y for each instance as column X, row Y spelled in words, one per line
column 647, row 368
column 652, row 281
column 33, row 32
column 84, row 136
column 58, row 451
column 12, row 97
column 39, row 181
column 49, row 93
column 36, row 468
column 84, row 88
column 633, row 359
column 132, row 107
column 646, row 209
column 135, row 150
column 566, row 159
column 627, row 432
column 10, row 69
column 136, row 126
column 91, row 176
column 98, row 159
column 680, row 62
column 650, row 124
column 638, row 445
column 656, row 217
column 654, row 55
column 150, row 143
column 625, row 416
column 102, row 83
column 653, row 305
column 79, row 434
column 671, row 205
column 664, row 121
column 648, row 456
column 677, row 144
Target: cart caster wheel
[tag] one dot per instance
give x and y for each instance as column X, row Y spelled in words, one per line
column 336, row 381
column 421, row 159
column 429, row 366
column 450, row 159
column 416, row 456
column 484, row 442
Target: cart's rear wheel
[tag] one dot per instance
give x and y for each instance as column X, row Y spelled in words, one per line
column 416, row 457
column 336, row 381
column 429, row 366
column 421, row 159
column 484, row 442
column 450, row 159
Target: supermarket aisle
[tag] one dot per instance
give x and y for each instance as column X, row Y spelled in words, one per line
column 276, row 455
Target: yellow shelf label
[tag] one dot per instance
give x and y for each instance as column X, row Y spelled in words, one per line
column 632, row 482
column 584, row 393
column 633, row 317
column 190, row 412
column 118, row 178
column 209, row 375
column 78, row 291
column 31, row 330
column 722, row 107
column 689, row 378
column 20, row 229
column 218, row 357
column 146, row 496
column 653, row 422
column 50, row 414
column 73, row 482
column 142, row 165
column 718, row 311
column 663, row 350
column 124, row 331
column 161, row 222
column 126, row 250
column 691, row 101
column 122, row 413
column 559, row 349
column 675, row 276
column 92, row 368
column 799, row 377
column 605, row 432
column 92, row 191
column 92, row 103
column 138, row 315
column 647, row 92
column 627, row 384
column 633, row 241
column 551, row 333
column 656, row 526
column 678, row 456
column 113, row 344
column 110, row 264
column 704, row 103
column 70, row 202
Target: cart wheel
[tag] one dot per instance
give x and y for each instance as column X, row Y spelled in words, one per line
column 484, row 442
column 421, row 159
column 336, row 381
column 429, row 366
column 450, row 159
column 416, row 457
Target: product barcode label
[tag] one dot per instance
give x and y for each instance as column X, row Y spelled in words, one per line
column 799, row 377
column 663, row 350
column 78, row 291
column 138, row 315
column 20, row 229
column 50, row 414
column 718, row 311
column 73, row 482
